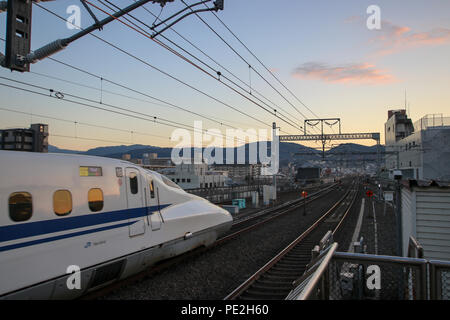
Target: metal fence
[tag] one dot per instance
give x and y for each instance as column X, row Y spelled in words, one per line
column 440, row 280
column 431, row 120
column 357, row 276
column 363, row 276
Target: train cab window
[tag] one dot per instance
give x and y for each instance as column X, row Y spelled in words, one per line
column 95, row 199
column 169, row 182
column 62, row 202
column 20, row 206
column 152, row 189
column 133, row 182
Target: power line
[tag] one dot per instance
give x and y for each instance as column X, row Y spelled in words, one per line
column 147, row 35
column 243, row 59
column 161, row 71
column 204, row 63
column 166, row 104
column 59, row 95
column 268, row 70
column 82, row 123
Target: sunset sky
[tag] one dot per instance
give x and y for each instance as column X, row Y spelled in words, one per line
column 322, row 51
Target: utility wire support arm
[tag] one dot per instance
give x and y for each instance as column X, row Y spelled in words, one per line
column 18, row 56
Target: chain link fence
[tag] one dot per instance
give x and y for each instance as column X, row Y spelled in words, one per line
column 440, row 280
column 357, row 276
column 360, row 276
column 373, row 280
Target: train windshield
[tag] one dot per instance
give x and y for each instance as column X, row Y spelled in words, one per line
column 170, row 183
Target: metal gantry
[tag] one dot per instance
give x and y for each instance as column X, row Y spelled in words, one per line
column 324, row 138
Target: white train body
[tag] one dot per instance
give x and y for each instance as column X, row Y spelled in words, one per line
column 107, row 217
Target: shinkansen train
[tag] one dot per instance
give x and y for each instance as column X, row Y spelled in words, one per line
column 70, row 224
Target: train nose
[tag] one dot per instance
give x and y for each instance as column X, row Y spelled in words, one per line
column 227, row 219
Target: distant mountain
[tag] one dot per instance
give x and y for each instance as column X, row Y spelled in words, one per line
column 287, row 152
column 53, row 149
column 118, row 150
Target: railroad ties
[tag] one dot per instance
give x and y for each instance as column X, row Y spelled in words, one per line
column 275, row 280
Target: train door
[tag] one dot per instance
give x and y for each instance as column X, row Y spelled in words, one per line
column 153, row 208
column 135, row 193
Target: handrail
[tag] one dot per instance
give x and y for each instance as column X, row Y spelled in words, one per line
column 415, row 245
column 314, row 280
column 363, row 257
column 389, row 260
column 278, row 257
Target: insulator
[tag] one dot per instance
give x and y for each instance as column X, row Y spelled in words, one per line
column 46, row 51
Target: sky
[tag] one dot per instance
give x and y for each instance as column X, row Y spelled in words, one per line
column 322, row 51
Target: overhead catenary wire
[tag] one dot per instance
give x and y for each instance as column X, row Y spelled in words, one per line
column 265, row 67
column 60, row 95
column 163, row 72
column 208, row 56
column 162, row 104
column 82, row 123
column 86, row 124
column 220, row 75
column 147, row 35
column 245, row 61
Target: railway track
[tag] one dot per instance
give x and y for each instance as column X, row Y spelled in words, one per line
column 240, row 226
column 257, row 219
column 275, row 279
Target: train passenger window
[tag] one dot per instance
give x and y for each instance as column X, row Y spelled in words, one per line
column 62, row 202
column 152, row 189
column 20, row 206
column 95, row 199
column 133, row 182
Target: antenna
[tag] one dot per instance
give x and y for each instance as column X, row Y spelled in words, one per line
column 405, row 99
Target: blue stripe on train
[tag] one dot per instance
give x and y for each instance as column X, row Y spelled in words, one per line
column 30, row 229
column 63, row 236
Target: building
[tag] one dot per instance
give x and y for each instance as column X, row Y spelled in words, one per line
column 194, row 176
column 152, row 162
column 308, row 175
column 420, row 150
column 397, row 127
column 148, row 157
column 240, row 172
column 426, row 217
column 34, row 139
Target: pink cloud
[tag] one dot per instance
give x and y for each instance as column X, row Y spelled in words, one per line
column 395, row 38
column 357, row 73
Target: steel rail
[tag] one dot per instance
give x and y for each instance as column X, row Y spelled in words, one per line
column 246, row 284
column 162, row 265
